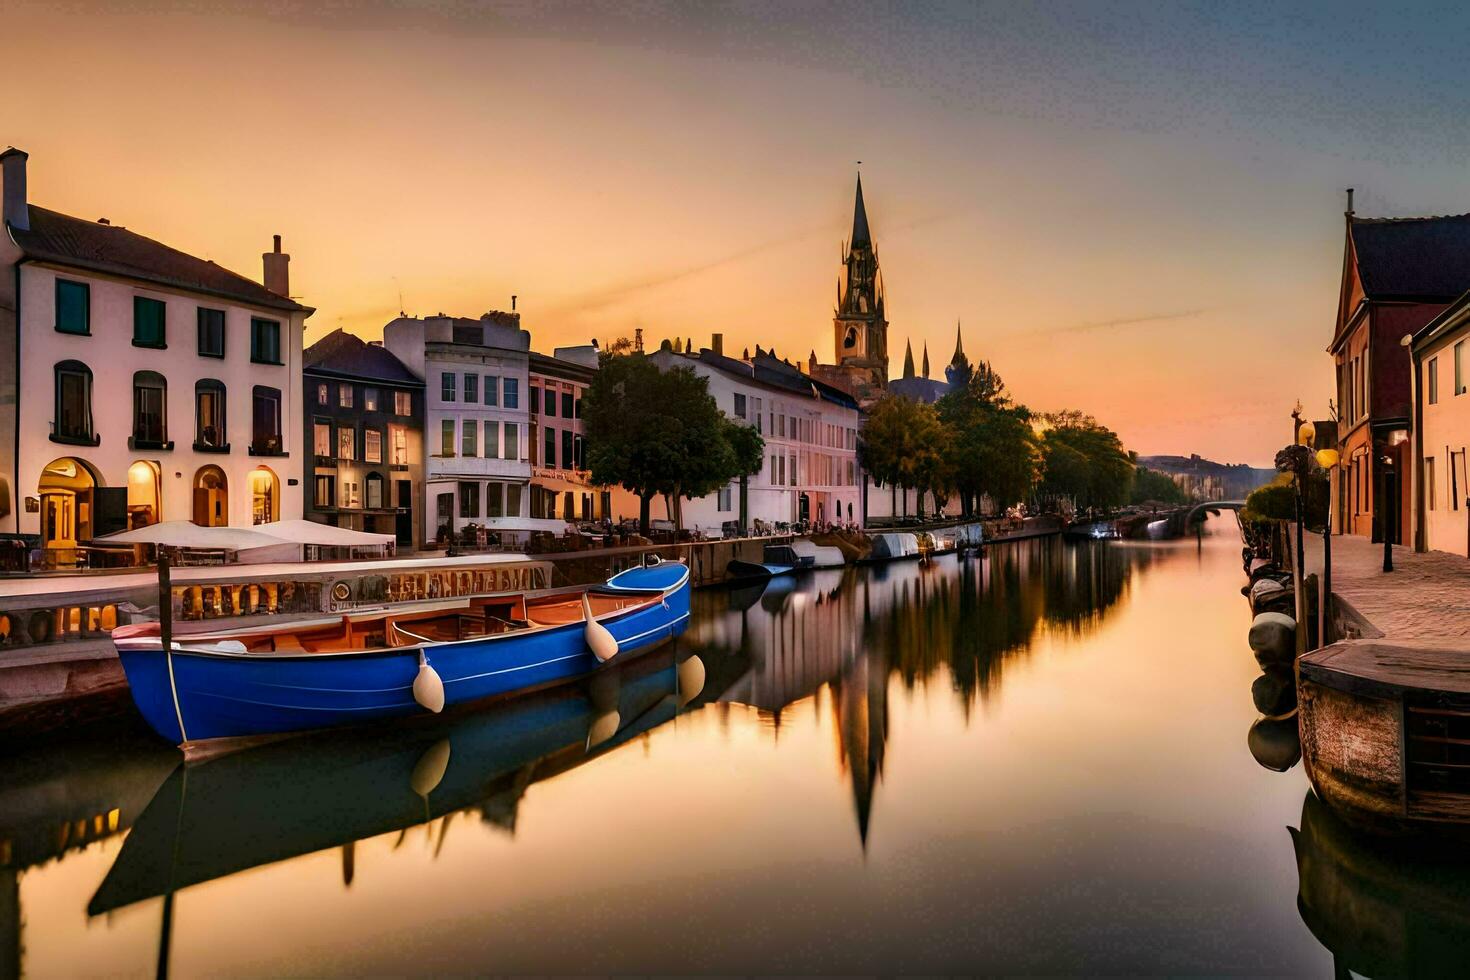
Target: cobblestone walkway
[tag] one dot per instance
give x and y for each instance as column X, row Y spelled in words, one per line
column 1425, row 597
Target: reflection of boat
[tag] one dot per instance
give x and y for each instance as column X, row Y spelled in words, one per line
column 893, row 545
column 1381, row 908
column 1091, row 531
column 286, row 799
column 296, row 677
column 754, row 571
column 776, row 593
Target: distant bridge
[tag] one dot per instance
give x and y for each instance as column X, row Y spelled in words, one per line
column 1212, row 507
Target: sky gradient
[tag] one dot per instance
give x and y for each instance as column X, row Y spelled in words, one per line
column 1134, row 210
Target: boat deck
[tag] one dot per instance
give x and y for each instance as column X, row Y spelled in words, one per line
column 1388, row 669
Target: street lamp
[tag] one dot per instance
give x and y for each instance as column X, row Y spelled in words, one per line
column 1328, row 460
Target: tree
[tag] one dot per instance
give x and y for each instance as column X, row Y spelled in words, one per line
column 1151, row 485
column 904, row 446
column 660, row 432
column 993, row 449
column 749, row 451
column 1086, row 461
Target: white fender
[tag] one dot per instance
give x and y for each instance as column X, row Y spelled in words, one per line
column 599, row 640
column 428, row 688
column 603, row 727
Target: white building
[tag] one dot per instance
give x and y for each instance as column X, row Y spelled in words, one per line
column 139, row 383
column 561, row 486
column 476, row 374
column 810, row 429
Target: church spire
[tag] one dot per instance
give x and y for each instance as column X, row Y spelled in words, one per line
column 860, row 235
column 908, row 359
column 926, row 358
column 959, row 345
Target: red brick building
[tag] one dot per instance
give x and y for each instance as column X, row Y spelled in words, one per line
column 1398, row 274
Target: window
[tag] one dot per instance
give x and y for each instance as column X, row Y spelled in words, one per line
column 398, row 445
column 1429, row 481
column 792, row 472
column 73, row 307
column 211, row 333
column 548, row 402
column 566, row 404
column 150, row 415
column 513, row 500
column 550, row 458
column 321, row 438
column 351, row 493
column 375, row 491
column 469, row 500
column 372, row 446
column 724, row 502
column 512, row 397
column 346, row 442
column 148, row 322
column 369, row 399
column 566, row 449
column 492, row 390
column 512, row 441
column 492, row 439
column 446, row 386
column 579, row 454
column 326, row 492
column 265, row 437
column 209, row 416
column 322, row 395
column 577, row 408
column 469, row 438
column 739, row 405
column 1433, row 368
column 1459, row 368
column 758, row 427
column 344, row 396
column 494, row 499
column 471, row 388
column 402, row 403
column 446, row 438
column 265, row 341
column 73, row 403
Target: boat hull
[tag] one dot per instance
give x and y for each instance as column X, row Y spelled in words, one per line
column 243, row 697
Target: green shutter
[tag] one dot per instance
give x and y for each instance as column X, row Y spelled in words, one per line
column 73, row 307
column 148, row 322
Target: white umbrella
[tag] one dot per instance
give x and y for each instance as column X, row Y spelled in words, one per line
column 326, row 535
column 186, row 534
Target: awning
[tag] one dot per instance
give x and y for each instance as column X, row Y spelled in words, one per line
column 324, row 535
column 186, row 534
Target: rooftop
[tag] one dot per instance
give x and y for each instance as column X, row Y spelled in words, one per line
column 1413, row 258
column 343, row 354
column 112, row 249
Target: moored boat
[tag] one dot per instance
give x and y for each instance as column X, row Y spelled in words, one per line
column 739, row 571
column 893, row 546
column 818, row 556
column 234, row 686
column 786, row 554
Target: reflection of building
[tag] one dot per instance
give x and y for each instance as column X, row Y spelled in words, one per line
column 560, row 484
column 1398, row 274
column 475, row 372
column 810, row 430
column 365, row 429
column 156, row 383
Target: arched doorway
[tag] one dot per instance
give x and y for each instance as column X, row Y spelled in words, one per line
column 211, row 497
column 145, row 502
column 265, row 496
column 67, row 489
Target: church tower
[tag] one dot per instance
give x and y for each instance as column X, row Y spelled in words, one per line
column 860, row 323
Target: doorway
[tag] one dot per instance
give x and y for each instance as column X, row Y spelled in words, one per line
column 211, row 497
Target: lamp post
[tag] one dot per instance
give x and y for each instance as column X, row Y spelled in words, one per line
column 1389, row 511
column 1328, row 460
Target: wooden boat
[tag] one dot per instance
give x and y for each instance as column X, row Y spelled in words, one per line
column 1385, row 732
column 242, row 685
column 739, row 571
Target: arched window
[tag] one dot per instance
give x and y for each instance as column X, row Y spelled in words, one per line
column 211, row 497
column 850, row 339
column 74, row 404
column 209, row 417
column 144, row 503
column 265, row 496
column 150, row 411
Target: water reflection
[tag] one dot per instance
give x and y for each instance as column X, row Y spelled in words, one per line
column 1382, row 910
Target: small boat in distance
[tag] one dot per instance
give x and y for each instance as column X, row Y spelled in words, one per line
column 893, row 546
column 739, row 571
column 818, row 556
column 212, row 691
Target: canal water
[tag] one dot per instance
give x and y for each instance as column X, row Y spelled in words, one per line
column 1034, row 761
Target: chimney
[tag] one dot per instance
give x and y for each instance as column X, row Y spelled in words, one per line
column 512, row 302
column 14, row 211
column 1350, row 202
column 277, row 274
column 717, row 343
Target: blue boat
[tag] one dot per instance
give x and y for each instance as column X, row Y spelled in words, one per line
column 237, row 686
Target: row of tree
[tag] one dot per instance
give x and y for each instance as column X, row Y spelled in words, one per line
column 977, row 441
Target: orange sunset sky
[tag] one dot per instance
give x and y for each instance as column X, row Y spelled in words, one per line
column 1134, row 211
